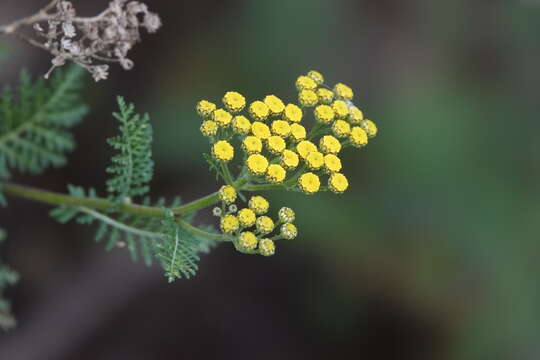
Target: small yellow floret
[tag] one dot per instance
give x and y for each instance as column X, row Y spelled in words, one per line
column 288, row 231
column 325, row 96
column 355, row 115
column 286, row 215
column 309, row 183
column 329, row 145
column 258, row 204
column 358, row 137
column 332, row 163
column 308, row 98
column 341, row 109
column 257, row 164
column 289, row 159
column 281, row 128
column 223, row 151
column 267, row 247
column 317, row 76
column 293, row 113
column 343, row 91
column 234, row 102
column 209, row 128
column 341, row 128
column 324, row 114
column 370, row 127
column 229, row 224
column 264, row 224
column 227, row 194
column 298, row 132
column 247, row 240
column 275, row 173
column 338, row 183
column 275, row 105
column 305, row 82
column 276, row 144
column 304, row 147
column 241, row 125
column 315, row 160
column 246, row 217
column 259, row 110
column 252, row 144
column 260, row 130
column 222, row 117
column 205, row 108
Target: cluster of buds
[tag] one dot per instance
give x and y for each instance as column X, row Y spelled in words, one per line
column 90, row 42
column 250, row 229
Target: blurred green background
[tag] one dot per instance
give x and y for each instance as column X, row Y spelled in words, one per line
column 431, row 254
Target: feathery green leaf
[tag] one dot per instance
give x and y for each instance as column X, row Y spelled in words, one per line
column 8, row 277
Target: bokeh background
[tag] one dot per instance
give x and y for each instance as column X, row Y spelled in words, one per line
column 433, row 252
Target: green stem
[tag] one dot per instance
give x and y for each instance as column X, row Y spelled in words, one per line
column 197, row 231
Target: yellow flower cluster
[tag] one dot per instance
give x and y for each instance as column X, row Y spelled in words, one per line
column 277, row 147
column 250, row 228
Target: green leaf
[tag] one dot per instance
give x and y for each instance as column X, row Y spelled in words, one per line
column 8, row 277
column 132, row 167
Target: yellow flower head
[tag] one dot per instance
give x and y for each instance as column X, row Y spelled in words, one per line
column 324, row 114
column 227, row 194
column 260, row 130
column 222, row 117
column 205, row 108
column 247, row 240
column 317, row 76
column 358, row 137
column 341, row 109
column 264, row 224
column 267, row 247
column 289, row 159
column 252, row 144
column 259, row 110
column 257, row 164
column 229, row 224
column 292, row 113
column 305, row 83
column 223, row 151
column 341, row 128
column 246, row 217
column 275, row 105
column 288, row 231
column 286, row 215
column 304, row 147
column 329, row 145
column 298, row 132
column 258, row 204
column 309, row 183
column 281, row 128
column 332, row 163
column 241, row 125
column 315, row 160
column 275, row 173
column 209, row 128
column 325, row 96
column 338, row 183
column 234, row 102
column 355, row 115
column 370, row 127
column 276, row 144
column 308, row 98
column 343, row 91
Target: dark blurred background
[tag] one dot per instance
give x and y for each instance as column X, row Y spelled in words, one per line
column 431, row 254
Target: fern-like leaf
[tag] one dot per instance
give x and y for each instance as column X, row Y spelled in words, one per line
column 8, row 277
column 132, row 167
column 178, row 250
column 36, row 118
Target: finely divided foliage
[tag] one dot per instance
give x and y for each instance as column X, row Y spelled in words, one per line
column 132, row 168
column 7, row 277
column 36, row 118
